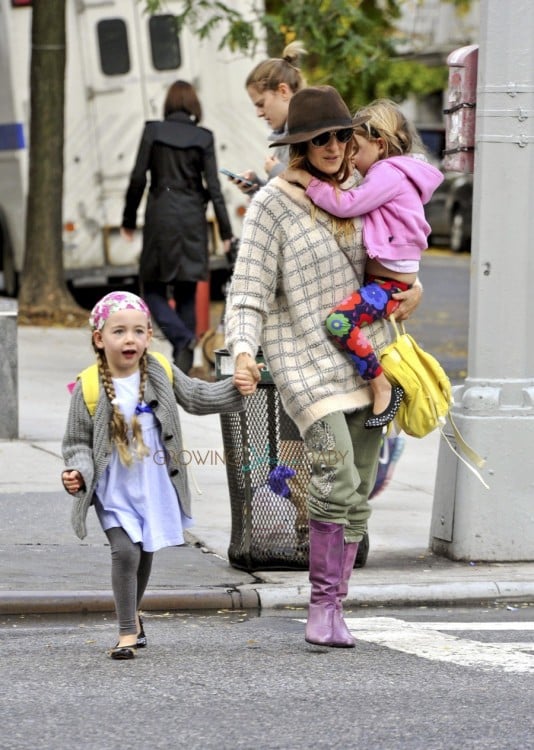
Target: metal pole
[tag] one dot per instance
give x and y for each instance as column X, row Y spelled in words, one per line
column 494, row 408
column 9, row 390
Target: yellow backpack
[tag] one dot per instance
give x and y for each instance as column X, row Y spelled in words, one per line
column 91, row 385
column 427, row 389
column 427, row 393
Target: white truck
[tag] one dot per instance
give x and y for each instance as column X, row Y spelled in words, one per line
column 120, row 62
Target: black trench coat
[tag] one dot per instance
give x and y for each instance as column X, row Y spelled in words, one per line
column 180, row 157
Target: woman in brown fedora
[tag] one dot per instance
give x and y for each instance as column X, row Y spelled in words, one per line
column 295, row 262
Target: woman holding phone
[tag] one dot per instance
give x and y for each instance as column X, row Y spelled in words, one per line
column 270, row 86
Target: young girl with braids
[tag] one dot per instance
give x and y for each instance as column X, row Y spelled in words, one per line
column 397, row 182
column 125, row 458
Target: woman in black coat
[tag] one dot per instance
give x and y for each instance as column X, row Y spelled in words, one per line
column 180, row 157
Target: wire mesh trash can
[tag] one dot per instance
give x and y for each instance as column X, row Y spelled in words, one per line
column 268, row 473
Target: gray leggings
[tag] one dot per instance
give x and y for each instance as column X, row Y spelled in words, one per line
column 130, row 571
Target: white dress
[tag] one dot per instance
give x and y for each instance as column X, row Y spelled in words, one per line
column 140, row 498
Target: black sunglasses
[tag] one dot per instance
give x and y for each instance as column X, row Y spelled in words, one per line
column 343, row 136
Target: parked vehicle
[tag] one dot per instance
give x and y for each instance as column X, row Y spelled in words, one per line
column 449, row 212
column 120, row 63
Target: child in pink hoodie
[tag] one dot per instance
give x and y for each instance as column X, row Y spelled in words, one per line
column 397, row 182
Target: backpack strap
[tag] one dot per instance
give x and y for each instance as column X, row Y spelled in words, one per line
column 465, row 448
column 91, row 383
column 164, row 362
column 90, row 387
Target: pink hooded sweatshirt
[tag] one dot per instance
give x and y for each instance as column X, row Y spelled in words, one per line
column 390, row 199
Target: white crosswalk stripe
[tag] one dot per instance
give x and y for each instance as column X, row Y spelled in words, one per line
column 427, row 641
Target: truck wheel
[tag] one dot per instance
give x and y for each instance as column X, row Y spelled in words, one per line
column 8, row 273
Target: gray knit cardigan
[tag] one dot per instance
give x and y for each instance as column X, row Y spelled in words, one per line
column 86, row 443
column 293, row 266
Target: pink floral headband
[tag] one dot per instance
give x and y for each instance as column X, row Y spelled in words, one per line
column 112, row 303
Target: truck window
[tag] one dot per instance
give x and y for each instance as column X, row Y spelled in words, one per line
column 433, row 138
column 113, row 46
column 164, row 42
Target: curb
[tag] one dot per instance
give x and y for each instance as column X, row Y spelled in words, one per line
column 72, row 602
column 402, row 595
column 268, row 597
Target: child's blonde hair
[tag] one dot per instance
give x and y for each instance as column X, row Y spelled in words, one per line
column 386, row 121
column 118, row 428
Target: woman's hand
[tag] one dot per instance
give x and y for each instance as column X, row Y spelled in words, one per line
column 409, row 301
column 243, row 186
column 247, row 374
column 127, row 234
column 299, row 176
column 72, row 481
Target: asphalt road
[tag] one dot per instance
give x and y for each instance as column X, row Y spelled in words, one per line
column 418, row 679
column 441, row 322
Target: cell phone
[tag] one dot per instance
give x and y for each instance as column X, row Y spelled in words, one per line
column 237, row 177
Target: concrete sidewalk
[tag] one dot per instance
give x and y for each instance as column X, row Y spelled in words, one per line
column 47, row 569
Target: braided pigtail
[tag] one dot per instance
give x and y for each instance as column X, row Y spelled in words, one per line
column 118, row 428
column 138, row 443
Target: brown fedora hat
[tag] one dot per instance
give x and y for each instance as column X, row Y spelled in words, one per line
column 315, row 110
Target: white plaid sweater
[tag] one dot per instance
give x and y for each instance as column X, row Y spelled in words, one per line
column 292, row 268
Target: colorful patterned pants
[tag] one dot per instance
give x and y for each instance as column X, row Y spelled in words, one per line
column 371, row 302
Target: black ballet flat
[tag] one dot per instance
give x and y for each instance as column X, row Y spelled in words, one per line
column 141, row 637
column 385, row 417
column 123, row 652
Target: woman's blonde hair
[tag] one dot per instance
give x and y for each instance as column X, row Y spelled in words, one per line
column 386, row 121
column 270, row 73
column 118, row 428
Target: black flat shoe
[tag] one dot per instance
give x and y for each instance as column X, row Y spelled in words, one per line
column 122, row 652
column 141, row 637
column 385, row 417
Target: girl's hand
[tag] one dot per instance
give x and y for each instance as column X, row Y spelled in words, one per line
column 72, row 481
column 247, row 374
column 409, row 301
column 270, row 162
column 300, row 176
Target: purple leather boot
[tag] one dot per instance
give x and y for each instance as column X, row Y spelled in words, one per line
column 326, row 565
column 341, row 633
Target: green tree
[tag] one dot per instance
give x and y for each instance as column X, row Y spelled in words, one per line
column 351, row 44
column 43, row 292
